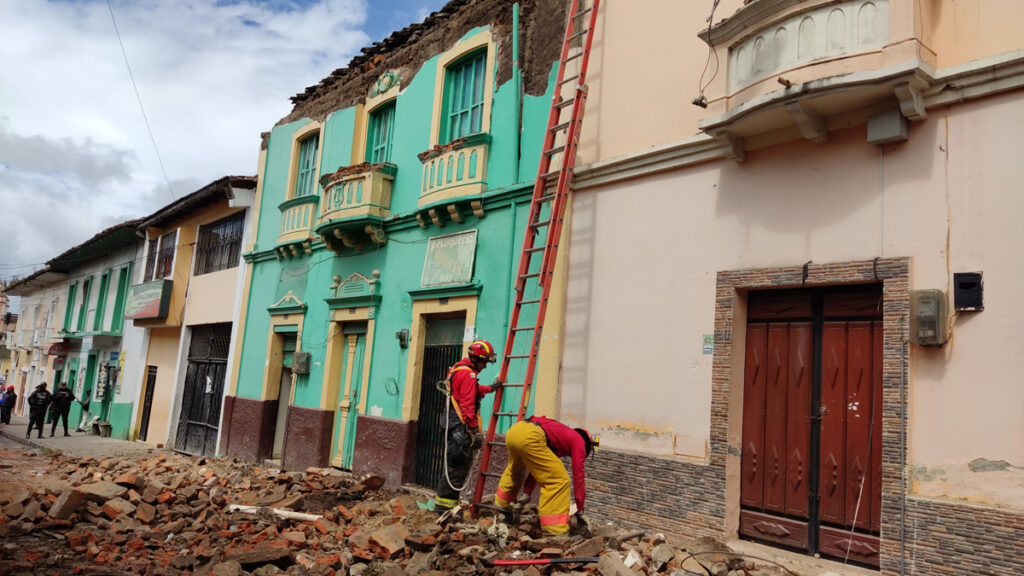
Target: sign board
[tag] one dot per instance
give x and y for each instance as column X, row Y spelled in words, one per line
column 449, row 260
column 148, row 300
column 708, row 346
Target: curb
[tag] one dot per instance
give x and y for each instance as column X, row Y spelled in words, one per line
column 25, row 441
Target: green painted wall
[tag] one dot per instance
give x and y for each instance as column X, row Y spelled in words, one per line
column 400, row 261
column 120, row 419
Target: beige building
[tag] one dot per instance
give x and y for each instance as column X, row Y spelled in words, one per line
column 37, row 333
column 789, row 308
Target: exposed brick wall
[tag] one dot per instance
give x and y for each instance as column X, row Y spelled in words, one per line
column 953, row 538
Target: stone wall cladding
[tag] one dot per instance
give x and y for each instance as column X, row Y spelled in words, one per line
column 660, row 494
column 250, row 431
column 955, row 538
column 385, row 447
column 307, row 438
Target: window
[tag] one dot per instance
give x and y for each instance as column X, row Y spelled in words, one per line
column 305, row 183
column 219, row 244
column 83, row 309
column 464, row 97
column 160, row 258
column 380, row 132
column 101, row 301
column 123, row 281
column 69, row 307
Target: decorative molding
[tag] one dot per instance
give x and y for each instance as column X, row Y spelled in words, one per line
column 355, row 291
column 747, row 17
column 811, row 125
column 288, row 304
column 454, row 291
column 385, row 82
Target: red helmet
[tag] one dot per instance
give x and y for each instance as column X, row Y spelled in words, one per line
column 482, row 349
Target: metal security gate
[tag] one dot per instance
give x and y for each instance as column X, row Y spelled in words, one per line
column 812, row 406
column 429, row 439
column 199, row 418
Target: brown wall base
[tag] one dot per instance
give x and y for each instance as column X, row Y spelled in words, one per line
column 385, row 447
column 307, row 440
column 248, row 428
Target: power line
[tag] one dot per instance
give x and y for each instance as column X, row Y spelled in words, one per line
column 139, row 98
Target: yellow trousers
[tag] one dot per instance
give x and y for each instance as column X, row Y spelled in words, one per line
column 528, row 452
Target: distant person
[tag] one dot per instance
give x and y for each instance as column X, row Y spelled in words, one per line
column 37, row 404
column 7, row 403
column 60, row 407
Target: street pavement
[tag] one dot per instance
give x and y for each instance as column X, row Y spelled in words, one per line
column 80, row 444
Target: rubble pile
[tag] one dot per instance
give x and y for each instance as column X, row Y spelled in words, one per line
column 171, row 514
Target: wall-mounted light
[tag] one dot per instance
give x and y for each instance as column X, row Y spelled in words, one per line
column 403, row 338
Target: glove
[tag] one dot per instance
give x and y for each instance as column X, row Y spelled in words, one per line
column 498, row 384
column 477, row 440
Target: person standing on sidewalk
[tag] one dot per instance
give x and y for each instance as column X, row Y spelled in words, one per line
column 62, row 400
column 37, row 404
column 7, row 403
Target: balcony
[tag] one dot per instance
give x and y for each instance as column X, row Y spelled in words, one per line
column 798, row 66
column 297, row 218
column 454, row 171
column 355, row 202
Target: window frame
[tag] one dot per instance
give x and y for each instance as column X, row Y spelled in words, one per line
column 230, row 242
column 305, row 176
column 379, row 149
column 69, row 307
column 160, row 257
column 101, row 301
column 83, row 308
column 456, row 110
column 124, row 280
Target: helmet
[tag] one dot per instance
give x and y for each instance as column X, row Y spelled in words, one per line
column 483, row 350
column 592, row 442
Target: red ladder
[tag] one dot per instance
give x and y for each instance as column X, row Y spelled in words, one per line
column 547, row 213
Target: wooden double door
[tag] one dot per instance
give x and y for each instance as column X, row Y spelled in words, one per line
column 812, row 421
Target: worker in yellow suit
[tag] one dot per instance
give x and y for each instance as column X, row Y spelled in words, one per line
column 534, row 447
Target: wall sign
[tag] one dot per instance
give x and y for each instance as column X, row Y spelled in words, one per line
column 148, row 300
column 449, row 260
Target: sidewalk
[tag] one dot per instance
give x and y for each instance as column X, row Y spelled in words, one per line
column 80, row 444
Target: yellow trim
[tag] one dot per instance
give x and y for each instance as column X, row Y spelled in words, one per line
column 363, row 112
column 418, row 332
column 475, row 42
column 293, row 168
column 254, row 228
column 549, row 358
column 337, row 346
column 275, row 355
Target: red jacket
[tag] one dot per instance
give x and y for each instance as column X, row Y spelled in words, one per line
column 564, row 441
column 466, row 392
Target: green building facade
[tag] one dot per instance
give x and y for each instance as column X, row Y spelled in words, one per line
column 387, row 238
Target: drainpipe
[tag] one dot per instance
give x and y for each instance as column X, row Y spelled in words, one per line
column 517, row 83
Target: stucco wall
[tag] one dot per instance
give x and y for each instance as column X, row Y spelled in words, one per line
column 211, row 297
column 645, row 254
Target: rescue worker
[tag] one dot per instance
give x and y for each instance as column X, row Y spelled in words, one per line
column 461, row 424
column 534, row 447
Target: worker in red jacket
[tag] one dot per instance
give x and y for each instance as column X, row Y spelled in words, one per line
column 535, row 447
column 461, row 423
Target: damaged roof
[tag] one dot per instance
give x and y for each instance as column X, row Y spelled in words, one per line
column 107, row 241
column 205, row 196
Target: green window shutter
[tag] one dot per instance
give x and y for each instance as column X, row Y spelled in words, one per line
column 305, row 182
column 69, row 307
column 83, row 309
column 288, row 349
column 380, row 133
column 101, row 301
column 464, row 96
column 123, row 281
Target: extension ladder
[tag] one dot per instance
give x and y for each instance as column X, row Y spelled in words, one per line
column 544, row 228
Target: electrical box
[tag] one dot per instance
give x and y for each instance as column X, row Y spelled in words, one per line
column 887, row 128
column 300, row 362
column 928, row 317
column 967, row 291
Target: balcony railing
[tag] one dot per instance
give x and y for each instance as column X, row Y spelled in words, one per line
column 357, row 192
column 454, row 170
column 297, row 217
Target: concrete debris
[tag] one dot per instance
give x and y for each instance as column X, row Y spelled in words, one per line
column 169, row 514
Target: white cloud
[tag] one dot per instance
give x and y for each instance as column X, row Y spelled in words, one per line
column 74, row 150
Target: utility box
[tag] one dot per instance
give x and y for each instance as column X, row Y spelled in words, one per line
column 887, row 128
column 300, row 362
column 967, row 292
column 928, row 317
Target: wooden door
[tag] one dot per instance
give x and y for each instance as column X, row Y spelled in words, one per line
column 811, row 439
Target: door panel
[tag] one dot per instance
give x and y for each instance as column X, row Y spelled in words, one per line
column 775, row 425
column 831, row 469
column 752, row 482
column 798, row 417
column 858, row 423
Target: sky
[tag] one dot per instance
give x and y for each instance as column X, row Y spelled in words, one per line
column 75, row 153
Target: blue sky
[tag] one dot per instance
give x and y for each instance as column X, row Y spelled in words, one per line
column 75, row 153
